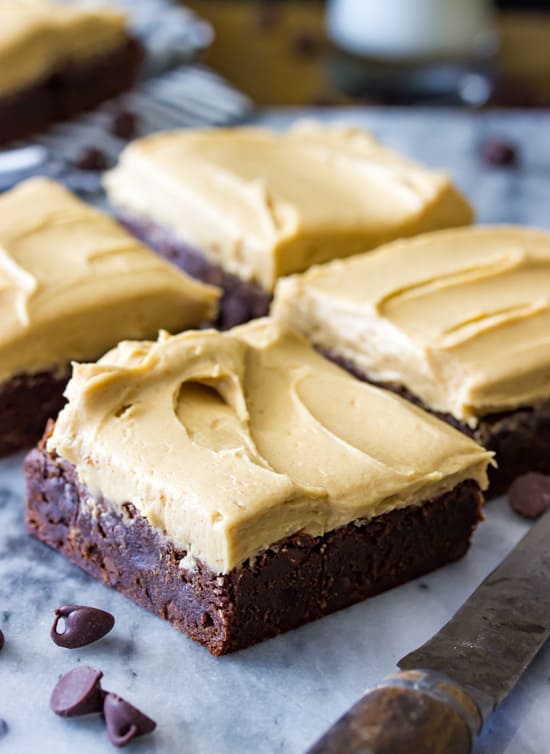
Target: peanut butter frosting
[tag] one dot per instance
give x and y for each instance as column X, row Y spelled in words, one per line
column 73, row 283
column 266, row 204
column 229, row 442
column 37, row 37
column 461, row 318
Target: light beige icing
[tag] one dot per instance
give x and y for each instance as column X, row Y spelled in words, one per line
column 265, row 205
column 228, row 442
column 38, row 36
column 73, row 282
column 461, row 318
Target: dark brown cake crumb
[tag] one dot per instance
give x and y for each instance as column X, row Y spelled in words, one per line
column 529, row 494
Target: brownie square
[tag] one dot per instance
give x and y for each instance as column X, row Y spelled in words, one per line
column 241, row 503
column 72, row 284
column 457, row 322
column 243, row 207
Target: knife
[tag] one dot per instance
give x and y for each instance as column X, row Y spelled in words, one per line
column 448, row 688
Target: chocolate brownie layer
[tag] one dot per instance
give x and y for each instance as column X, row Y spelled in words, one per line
column 27, row 401
column 299, row 579
column 69, row 91
column 520, row 439
column 240, row 302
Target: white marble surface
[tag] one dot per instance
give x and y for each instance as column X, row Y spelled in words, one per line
column 279, row 696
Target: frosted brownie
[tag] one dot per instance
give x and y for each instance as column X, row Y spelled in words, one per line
column 242, row 207
column 57, row 60
column 72, row 284
column 239, row 484
column 458, row 321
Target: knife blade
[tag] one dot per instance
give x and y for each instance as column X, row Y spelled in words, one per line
column 448, row 688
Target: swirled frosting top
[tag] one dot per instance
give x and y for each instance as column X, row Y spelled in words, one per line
column 265, row 204
column 37, row 37
column 461, row 318
column 73, row 283
column 228, row 442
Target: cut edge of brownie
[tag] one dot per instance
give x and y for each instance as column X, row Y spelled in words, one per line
column 69, row 91
column 27, row 401
column 241, row 300
column 297, row 580
column 520, row 439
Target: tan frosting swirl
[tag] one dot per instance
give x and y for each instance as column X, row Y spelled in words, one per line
column 39, row 36
column 461, row 318
column 228, row 442
column 73, row 282
column 265, row 205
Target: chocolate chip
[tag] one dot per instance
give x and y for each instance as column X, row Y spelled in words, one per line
column 91, row 159
column 78, row 692
column 125, row 125
column 529, row 494
column 124, row 722
column 499, row 152
column 2, row 641
column 83, row 625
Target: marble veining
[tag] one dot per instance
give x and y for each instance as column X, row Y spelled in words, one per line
column 279, row 696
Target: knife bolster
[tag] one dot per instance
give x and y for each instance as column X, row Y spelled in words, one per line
column 443, row 689
column 413, row 712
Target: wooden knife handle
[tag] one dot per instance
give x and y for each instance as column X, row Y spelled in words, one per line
column 413, row 712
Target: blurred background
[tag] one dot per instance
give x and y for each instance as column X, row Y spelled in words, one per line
column 476, row 53
column 221, row 62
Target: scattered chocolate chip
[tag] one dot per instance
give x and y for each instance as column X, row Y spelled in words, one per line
column 2, row 641
column 500, row 152
column 529, row 494
column 124, row 722
column 91, row 159
column 125, row 125
column 305, row 44
column 78, row 692
column 83, row 625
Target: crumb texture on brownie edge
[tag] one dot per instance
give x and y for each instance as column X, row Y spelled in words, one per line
column 40, row 37
column 296, row 581
column 66, row 269
column 256, row 451
column 264, row 205
column 461, row 318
